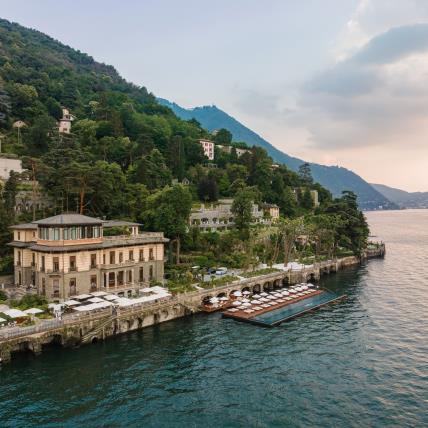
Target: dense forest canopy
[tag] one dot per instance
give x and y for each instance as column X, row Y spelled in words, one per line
column 125, row 150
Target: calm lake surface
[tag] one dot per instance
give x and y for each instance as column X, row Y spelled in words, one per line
column 363, row 362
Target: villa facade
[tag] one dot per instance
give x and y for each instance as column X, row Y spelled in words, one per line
column 219, row 216
column 68, row 255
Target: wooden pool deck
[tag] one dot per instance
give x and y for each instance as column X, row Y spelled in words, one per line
column 242, row 315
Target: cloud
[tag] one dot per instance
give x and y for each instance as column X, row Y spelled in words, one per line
column 374, row 97
column 393, row 45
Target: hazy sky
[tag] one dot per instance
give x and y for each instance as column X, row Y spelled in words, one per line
column 331, row 81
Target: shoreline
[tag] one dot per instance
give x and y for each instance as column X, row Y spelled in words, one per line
column 80, row 329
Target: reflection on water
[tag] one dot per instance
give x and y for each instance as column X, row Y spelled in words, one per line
column 362, row 362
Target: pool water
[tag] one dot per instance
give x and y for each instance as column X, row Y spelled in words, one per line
column 292, row 310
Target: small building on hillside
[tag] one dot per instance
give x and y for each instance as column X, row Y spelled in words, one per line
column 9, row 164
column 228, row 149
column 27, row 198
column 218, row 216
column 68, row 254
column 64, row 125
column 314, row 195
column 208, row 147
column 272, row 210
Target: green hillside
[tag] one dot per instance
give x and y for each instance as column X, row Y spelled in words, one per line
column 334, row 178
column 126, row 153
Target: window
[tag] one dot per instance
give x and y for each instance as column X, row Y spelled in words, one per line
column 129, row 276
column 73, row 289
column 73, row 233
column 104, row 259
column 19, row 236
column 93, row 260
column 111, row 279
column 112, row 257
column 19, row 278
column 131, row 255
column 56, row 264
column 151, row 273
column 33, row 259
column 43, row 287
column 93, row 282
column 141, row 255
column 42, row 267
column 120, row 277
column 120, row 257
column 151, row 256
column 73, row 263
column 66, row 233
column 141, row 276
column 56, row 234
column 55, row 288
column 19, row 258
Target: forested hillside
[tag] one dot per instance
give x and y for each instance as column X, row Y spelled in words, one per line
column 334, row 178
column 125, row 150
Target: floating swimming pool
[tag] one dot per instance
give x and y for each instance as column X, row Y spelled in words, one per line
column 277, row 316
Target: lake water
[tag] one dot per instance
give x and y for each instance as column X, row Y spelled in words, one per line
column 359, row 363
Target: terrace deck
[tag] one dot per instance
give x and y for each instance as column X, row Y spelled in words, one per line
column 285, row 311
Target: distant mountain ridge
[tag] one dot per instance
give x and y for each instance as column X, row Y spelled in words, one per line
column 334, row 178
column 402, row 198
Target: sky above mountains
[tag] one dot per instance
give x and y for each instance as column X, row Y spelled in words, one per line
column 331, row 81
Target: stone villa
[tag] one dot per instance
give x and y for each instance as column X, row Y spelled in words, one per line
column 219, row 216
column 68, row 255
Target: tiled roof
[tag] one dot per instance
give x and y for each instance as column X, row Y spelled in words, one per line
column 69, row 220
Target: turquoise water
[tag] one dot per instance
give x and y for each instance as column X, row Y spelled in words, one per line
column 293, row 309
column 360, row 363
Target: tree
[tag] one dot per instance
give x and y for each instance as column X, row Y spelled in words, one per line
column 223, row 136
column 306, row 200
column 152, row 171
column 9, row 194
column 242, row 210
column 289, row 230
column 208, row 190
column 305, row 174
column 169, row 211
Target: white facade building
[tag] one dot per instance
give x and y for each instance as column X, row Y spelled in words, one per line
column 208, row 147
column 7, row 165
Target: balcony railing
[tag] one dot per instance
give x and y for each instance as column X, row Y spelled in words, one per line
column 140, row 235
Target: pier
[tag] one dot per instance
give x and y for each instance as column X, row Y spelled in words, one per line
column 78, row 329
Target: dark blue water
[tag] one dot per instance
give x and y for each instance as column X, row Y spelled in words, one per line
column 293, row 309
column 360, row 363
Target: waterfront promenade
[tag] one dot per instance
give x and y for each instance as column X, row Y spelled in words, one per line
column 76, row 329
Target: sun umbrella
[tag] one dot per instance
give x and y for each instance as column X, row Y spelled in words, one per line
column 33, row 311
column 263, row 294
column 256, row 296
column 256, row 302
column 246, row 292
column 237, row 293
column 223, row 298
column 237, row 303
column 285, row 293
column 247, row 305
column 245, row 300
column 214, row 300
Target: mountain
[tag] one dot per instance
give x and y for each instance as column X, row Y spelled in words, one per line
column 402, row 198
column 334, row 178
